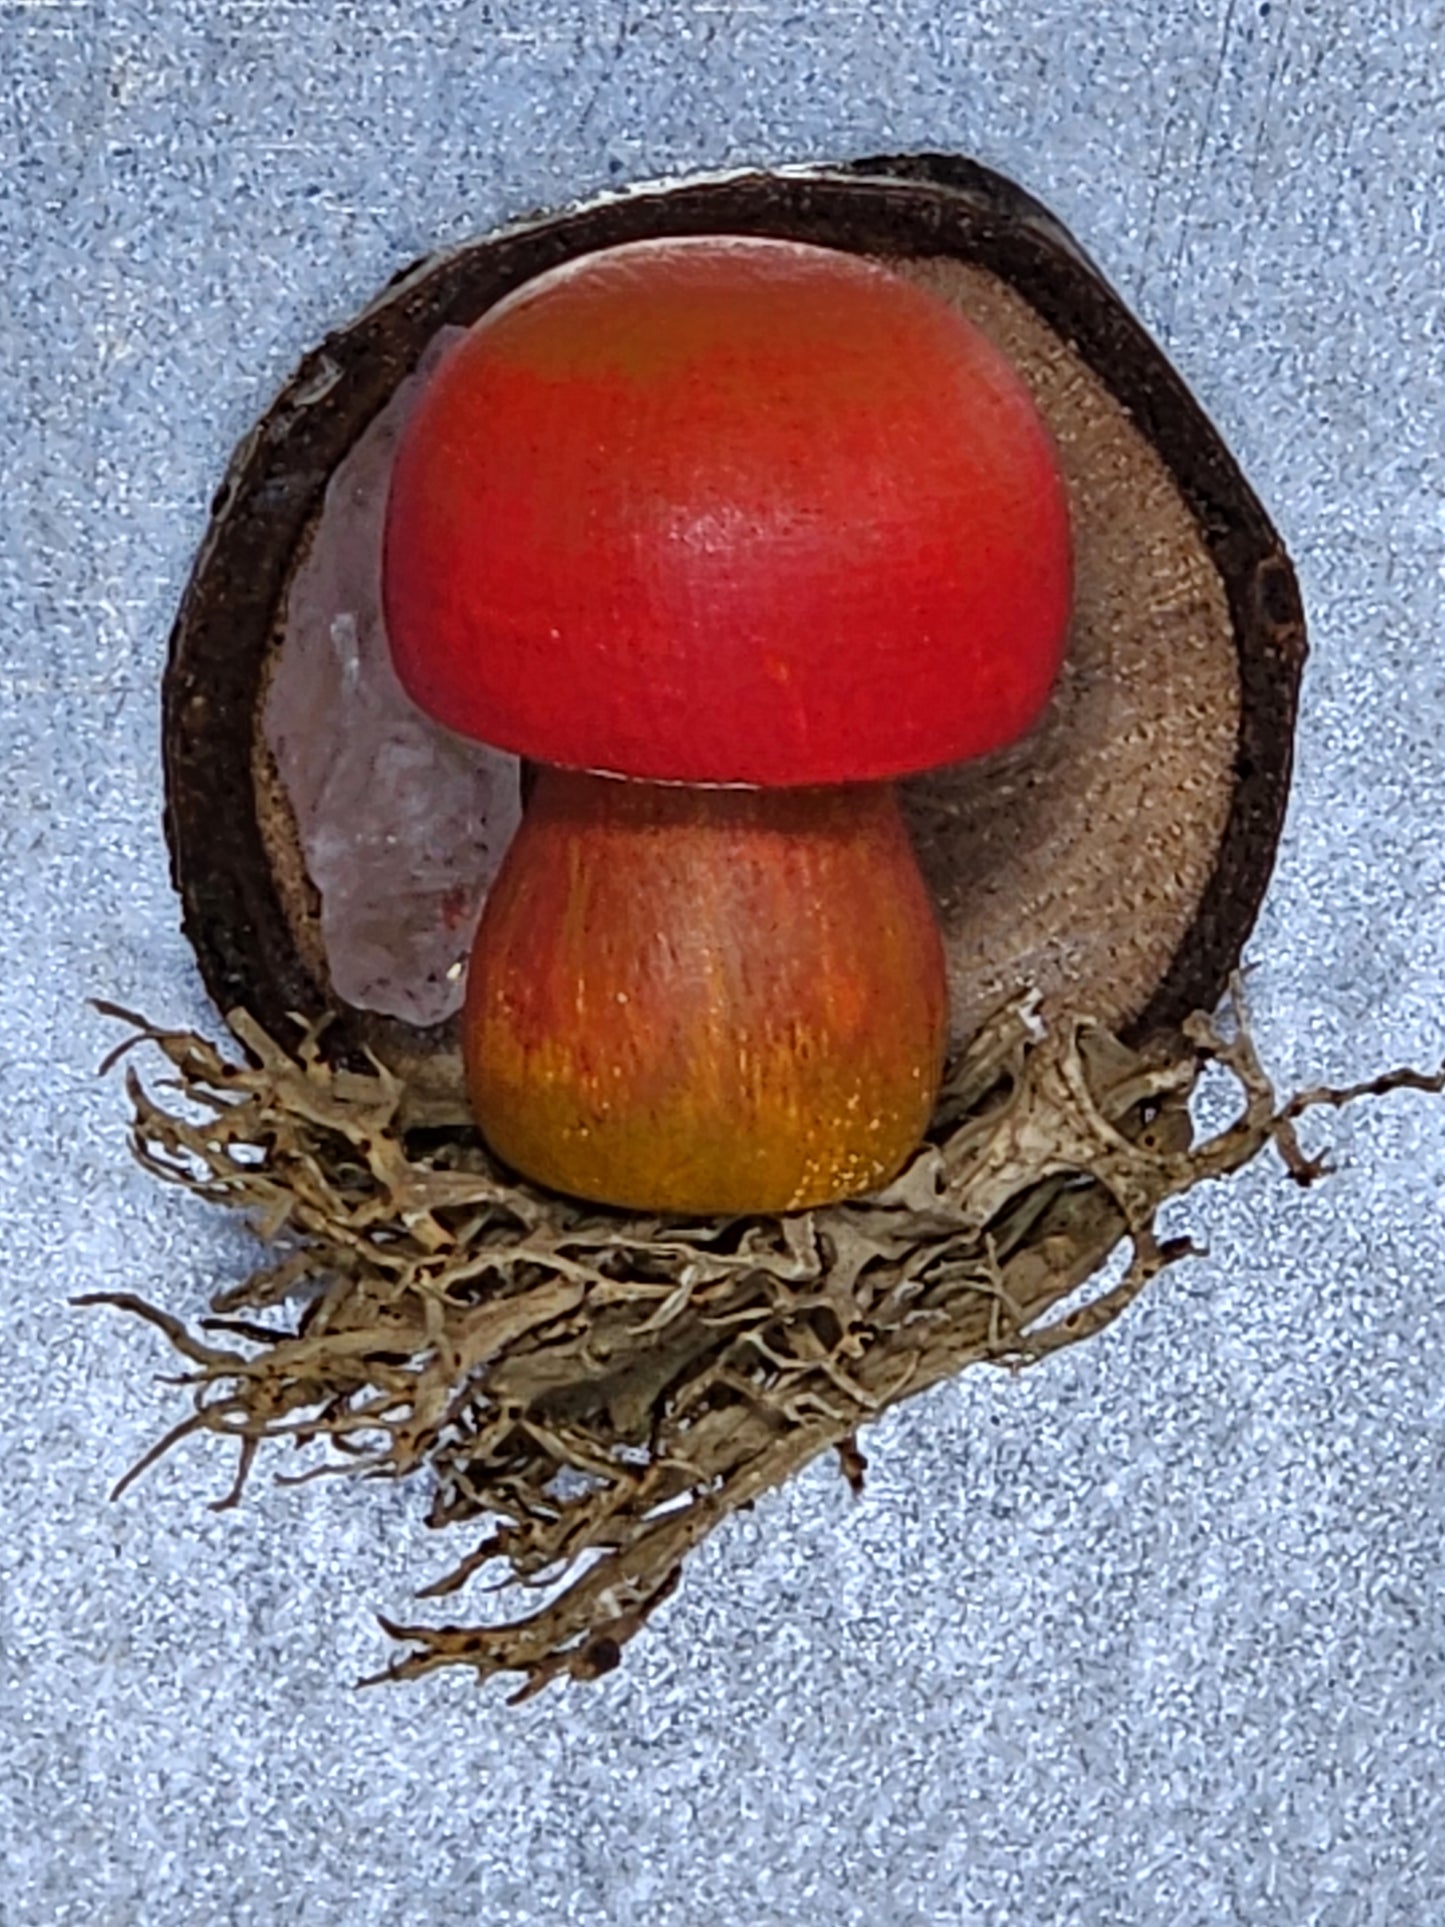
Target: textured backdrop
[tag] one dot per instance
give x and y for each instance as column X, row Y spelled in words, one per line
column 1155, row 1634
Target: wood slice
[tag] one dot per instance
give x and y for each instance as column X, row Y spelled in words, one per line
column 1115, row 860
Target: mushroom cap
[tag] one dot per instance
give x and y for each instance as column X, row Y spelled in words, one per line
column 728, row 510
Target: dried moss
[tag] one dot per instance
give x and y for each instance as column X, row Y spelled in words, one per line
column 597, row 1391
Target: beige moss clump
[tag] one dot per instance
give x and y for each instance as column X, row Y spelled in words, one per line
column 595, row 1392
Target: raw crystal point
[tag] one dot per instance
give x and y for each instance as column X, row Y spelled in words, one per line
column 402, row 824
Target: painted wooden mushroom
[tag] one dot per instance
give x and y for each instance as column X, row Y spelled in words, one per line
column 726, row 533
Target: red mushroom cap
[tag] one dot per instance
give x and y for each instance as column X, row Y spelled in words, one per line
column 726, row 510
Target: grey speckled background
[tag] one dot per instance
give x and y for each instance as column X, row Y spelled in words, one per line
column 1154, row 1635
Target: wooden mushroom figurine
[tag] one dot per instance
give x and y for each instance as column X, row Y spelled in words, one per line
column 726, row 533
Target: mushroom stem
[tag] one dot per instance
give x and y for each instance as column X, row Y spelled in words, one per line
column 706, row 999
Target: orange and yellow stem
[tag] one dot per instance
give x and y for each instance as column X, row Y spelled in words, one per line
column 706, row 1000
